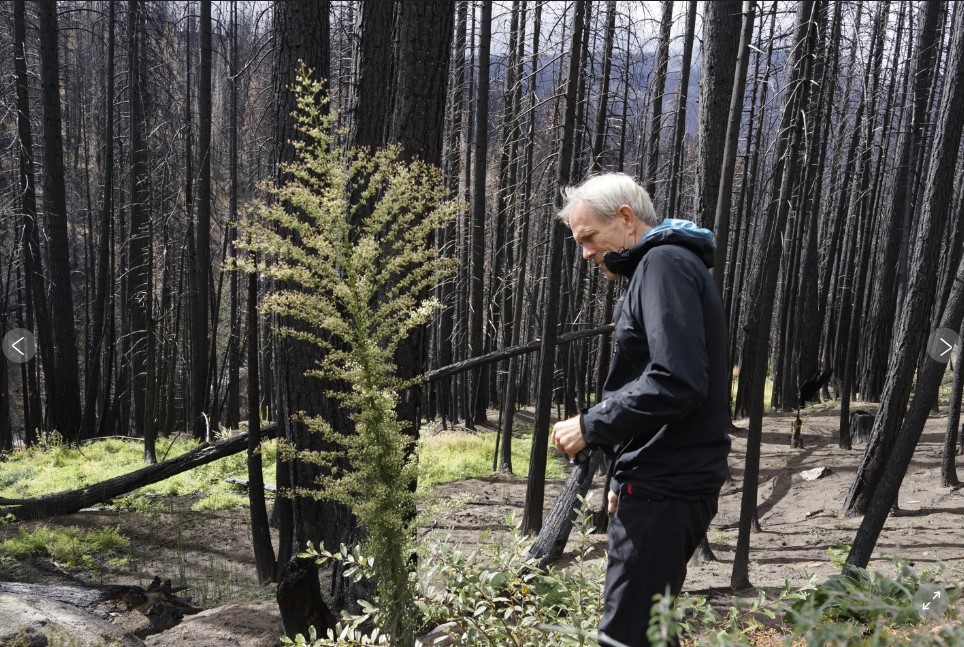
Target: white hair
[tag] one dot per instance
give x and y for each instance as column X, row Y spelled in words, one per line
column 605, row 194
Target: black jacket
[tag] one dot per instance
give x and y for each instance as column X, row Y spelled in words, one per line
column 664, row 413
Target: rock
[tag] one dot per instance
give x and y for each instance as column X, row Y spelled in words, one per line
column 232, row 625
column 816, row 473
column 31, row 621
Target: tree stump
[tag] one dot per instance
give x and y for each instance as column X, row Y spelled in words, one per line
column 861, row 424
column 555, row 531
column 300, row 601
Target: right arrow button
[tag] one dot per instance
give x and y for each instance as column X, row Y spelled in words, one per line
column 941, row 345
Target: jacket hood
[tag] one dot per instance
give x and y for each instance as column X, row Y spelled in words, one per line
column 672, row 231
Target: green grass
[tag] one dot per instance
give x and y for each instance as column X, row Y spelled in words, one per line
column 455, row 455
column 69, row 546
column 53, row 466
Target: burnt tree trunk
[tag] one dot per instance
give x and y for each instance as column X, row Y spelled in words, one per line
column 33, row 270
column 512, row 389
column 232, row 414
column 786, row 164
column 910, row 330
column 734, row 119
column 99, row 307
column 659, row 87
column 536, row 482
column 884, row 496
column 806, row 348
column 299, row 599
column 138, row 288
column 883, row 291
column 672, row 207
column 479, row 167
column 66, row 379
column 418, row 114
column 854, row 270
column 554, row 534
column 506, row 210
column 301, row 34
column 719, row 57
column 602, row 113
column 201, row 290
column 372, row 72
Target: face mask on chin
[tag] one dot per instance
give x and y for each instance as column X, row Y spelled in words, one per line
column 618, row 262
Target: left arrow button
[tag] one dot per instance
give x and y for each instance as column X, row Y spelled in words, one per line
column 19, row 345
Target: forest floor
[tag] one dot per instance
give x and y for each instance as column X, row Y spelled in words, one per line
column 803, row 532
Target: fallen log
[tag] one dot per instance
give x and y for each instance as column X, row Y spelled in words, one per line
column 243, row 483
column 558, row 525
column 84, row 597
column 512, row 351
column 158, row 606
column 71, row 501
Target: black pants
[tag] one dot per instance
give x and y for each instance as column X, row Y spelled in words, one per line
column 650, row 542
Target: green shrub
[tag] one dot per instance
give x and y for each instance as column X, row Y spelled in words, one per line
column 493, row 597
column 348, row 236
column 838, row 554
column 863, row 597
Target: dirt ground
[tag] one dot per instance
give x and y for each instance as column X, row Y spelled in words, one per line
column 800, row 521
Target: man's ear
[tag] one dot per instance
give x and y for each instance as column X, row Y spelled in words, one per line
column 626, row 216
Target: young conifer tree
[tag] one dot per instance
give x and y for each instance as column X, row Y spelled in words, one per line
column 349, row 235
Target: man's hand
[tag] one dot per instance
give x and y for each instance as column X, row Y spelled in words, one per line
column 613, row 501
column 567, row 437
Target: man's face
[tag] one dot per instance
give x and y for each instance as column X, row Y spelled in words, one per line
column 596, row 236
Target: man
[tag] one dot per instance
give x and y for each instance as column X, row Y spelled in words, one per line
column 663, row 415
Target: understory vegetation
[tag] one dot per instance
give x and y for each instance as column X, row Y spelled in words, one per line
column 69, row 547
column 455, row 455
column 53, row 465
column 495, row 596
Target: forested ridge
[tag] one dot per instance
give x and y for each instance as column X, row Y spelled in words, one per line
column 818, row 139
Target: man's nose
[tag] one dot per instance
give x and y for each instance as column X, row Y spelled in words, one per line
column 587, row 253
